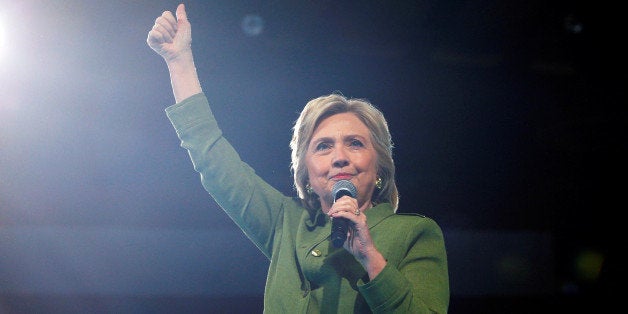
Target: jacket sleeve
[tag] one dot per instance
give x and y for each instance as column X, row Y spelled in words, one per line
column 415, row 281
column 254, row 205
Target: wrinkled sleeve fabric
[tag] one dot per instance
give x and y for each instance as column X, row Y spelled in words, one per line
column 253, row 205
column 418, row 282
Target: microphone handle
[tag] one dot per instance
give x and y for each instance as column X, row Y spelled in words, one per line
column 339, row 227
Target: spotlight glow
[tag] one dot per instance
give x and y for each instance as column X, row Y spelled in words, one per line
column 2, row 37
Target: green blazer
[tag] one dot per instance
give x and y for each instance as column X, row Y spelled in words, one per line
column 307, row 274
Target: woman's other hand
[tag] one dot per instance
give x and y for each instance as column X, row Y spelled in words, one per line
column 171, row 37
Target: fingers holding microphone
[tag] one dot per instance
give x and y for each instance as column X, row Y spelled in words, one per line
column 359, row 242
column 347, row 207
column 358, row 235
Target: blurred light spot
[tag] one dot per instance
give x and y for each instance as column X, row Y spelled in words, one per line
column 572, row 24
column 588, row 265
column 252, row 25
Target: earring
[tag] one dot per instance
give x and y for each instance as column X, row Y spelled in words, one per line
column 378, row 183
column 308, row 189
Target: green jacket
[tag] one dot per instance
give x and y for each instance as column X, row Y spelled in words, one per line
column 307, row 274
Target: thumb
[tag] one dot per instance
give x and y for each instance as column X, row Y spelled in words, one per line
column 181, row 14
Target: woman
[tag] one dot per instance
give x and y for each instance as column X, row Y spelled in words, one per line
column 388, row 263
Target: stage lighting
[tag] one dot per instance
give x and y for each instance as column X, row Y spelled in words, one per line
column 2, row 37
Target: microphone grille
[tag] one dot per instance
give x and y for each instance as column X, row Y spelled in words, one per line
column 343, row 187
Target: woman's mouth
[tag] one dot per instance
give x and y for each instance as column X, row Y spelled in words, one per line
column 342, row 176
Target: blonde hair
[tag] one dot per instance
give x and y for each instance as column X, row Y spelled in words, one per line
column 315, row 111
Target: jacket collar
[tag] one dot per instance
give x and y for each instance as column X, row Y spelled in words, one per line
column 375, row 215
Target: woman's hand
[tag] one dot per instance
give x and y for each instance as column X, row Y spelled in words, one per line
column 171, row 37
column 359, row 242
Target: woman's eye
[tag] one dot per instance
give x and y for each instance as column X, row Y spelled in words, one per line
column 356, row 143
column 322, row 146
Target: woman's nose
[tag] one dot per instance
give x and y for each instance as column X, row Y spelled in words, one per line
column 340, row 159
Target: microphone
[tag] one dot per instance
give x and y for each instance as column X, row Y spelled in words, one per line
column 339, row 226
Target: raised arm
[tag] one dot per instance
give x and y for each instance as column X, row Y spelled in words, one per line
column 171, row 38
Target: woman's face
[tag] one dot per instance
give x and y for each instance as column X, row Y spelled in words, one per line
column 341, row 149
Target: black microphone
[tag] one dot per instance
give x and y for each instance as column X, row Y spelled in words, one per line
column 339, row 226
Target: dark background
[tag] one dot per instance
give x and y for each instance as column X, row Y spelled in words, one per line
column 508, row 119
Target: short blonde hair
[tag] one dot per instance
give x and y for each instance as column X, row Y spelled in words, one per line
column 315, row 111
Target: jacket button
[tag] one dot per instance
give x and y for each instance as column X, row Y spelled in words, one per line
column 316, row 253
